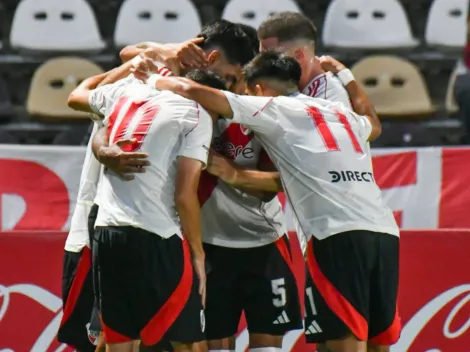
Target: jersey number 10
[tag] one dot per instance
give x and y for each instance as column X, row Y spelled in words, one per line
column 141, row 110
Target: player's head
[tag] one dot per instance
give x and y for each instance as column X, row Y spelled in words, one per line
column 207, row 78
column 252, row 34
column 210, row 79
column 228, row 49
column 293, row 34
column 272, row 73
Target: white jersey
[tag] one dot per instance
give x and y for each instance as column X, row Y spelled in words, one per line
column 78, row 236
column 319, row 149
column 231, row 217
column 165, row 126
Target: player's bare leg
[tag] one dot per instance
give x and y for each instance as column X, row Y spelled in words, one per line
column 226, row 344
column 190, row 347
column 347, row 344
column 371, row 347
column 258, row 341
column 120, row 347
column 101, row 346
column 321, row 347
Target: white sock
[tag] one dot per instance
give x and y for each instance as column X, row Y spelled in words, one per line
column 266, row 349
column 221, row 350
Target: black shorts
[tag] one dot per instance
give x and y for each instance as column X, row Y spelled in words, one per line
column 78, row 299
column 146, row 286
column 95, row 324
column 259, row 281
column 352, row 286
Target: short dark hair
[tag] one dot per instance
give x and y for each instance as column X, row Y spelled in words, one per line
column 252, row 34
column 273, row 65
column 229, row 38
column 287, row 26
column 207, row 78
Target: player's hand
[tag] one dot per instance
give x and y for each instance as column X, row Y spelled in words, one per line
column 124, row 164
column 221, row 167
column 330, row 64
column 190, row 55
column 199, row 262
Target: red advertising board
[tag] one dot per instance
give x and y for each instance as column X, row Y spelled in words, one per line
column 434, row 292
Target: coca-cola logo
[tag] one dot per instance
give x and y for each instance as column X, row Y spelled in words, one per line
column 47, row 300
column 422, row 318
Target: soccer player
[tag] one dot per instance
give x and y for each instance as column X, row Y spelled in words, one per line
column 142, row 263
column 247, row 251
column 318, row 147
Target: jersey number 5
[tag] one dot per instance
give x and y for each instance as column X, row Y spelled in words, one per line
column 138, row 113
column 325, row 132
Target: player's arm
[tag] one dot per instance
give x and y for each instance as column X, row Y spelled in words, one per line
column 79, row 99
column 192, row 158
column 124, row 164
column 243, row 109
column 360, row 102
column 174, row 56
column 262, row 184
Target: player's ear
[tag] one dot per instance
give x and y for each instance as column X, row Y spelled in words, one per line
column 259, row 90
column 213, row 57
column 299, row 55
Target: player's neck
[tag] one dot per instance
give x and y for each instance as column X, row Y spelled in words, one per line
column 314, row 71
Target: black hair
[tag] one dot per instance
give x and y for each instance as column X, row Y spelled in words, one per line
column 252, row 34
column 207, row 78
column 273, row 65
column 287, row 26
column 229, row 38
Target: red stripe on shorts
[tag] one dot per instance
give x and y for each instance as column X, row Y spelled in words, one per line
column 335, row 300
column 83, row 268
column 391, row 335
column 157, row 327
column 111, row 336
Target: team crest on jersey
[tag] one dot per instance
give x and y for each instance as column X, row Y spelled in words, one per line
column 203, row 321
column 92, row 335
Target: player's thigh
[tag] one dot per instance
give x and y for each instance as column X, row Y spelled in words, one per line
column 270, row 293
column 223, row 302
column 337, row 289
column 168, row 305
column 112, row 263
column 384, row 319
column 77, row 295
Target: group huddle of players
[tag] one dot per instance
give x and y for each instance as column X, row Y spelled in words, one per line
column 177, row 228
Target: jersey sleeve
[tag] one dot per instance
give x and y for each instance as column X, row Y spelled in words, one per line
column 252, row 111
column 197, row 141
column 364, row 127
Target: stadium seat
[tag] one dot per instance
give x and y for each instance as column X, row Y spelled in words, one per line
column 52, row 83
column 366, row 24
column 55, row 26
column 451, row 105
column 156, row 20
column 447, row 23
column 253, row 12
column 395, row 86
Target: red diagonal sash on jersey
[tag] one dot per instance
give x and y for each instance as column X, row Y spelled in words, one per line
column 232, row 142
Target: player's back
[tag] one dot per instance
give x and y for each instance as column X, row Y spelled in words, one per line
column 320, row 150
column 159, row 124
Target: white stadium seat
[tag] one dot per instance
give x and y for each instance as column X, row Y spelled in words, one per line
column 447, row 23
column 55, row 26
column 163, row 21
column 253, row 12
column 367, row 24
